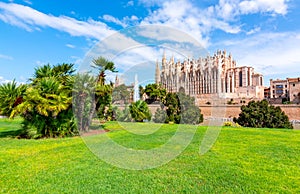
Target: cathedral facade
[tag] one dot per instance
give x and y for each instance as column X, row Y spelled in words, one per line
column 215, row 75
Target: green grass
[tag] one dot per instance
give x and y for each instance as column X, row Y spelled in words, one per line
column 10, row 128
column 242, row 160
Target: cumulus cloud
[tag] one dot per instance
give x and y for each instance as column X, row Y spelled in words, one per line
column 30, row 19
column 124, row 22
column 229, row 9
column 270, row 53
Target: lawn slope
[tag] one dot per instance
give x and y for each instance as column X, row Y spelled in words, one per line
column 241, row 160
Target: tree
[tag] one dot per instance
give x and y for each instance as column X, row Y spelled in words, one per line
column 262, row 115
column 103, row 92
column 155, row 92
column 120, row 93
column 47, row 102
column 103, row 65
column 124, row 115
column 160, row 116
column 84, row 100
column 179, row 108
column 139, row 111
column 11, row 95
column 173, row 108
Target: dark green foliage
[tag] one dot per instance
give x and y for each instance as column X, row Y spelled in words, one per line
column 141, row 91
column 103, row 91
column 160, row 116
column 181, row 108
column 84, row 100
column 120, row 94
column 173, row 108
column 139, row 111
column 154, row 92
column 11, row 95
column 192, row 116
column 190, row 113
column 47, row 103
column 262, row 115
column 124, row 115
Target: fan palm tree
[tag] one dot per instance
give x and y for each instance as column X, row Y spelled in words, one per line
column 103, row 91
column 103, row 65
column 11, row 95
column 83, row 100
column 139, row 111
column 47, row 101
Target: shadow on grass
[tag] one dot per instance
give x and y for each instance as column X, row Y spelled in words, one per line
column 11, row 133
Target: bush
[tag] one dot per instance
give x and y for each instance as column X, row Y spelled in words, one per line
column 262, row 115
column 139, row 111
column 160, row 116
column 231, row 124
column 124, row 115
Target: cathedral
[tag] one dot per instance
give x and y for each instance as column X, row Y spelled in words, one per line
column 216, row 75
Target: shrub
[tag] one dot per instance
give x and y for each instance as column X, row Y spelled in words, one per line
column 160, row 116
column 262, row 115
column 139, row 111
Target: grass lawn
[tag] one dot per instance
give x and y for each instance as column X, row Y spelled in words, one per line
column 241, row 160
column 10, row 128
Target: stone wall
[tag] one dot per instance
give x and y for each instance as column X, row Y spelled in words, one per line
column 230, row 111
column 292, row 111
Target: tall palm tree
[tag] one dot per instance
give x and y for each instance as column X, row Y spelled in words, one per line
column 103, row 91
column 103, row 65
column 83, row 100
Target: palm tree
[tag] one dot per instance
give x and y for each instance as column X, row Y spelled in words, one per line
column 103, row 65
column 83, row 100
column 11, row 95
column 139, row 111
column 103, row 91
column 47, row 103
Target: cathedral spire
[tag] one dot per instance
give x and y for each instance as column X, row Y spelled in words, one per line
column 164, row 59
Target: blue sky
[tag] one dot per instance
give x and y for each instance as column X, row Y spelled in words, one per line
column 264, row 34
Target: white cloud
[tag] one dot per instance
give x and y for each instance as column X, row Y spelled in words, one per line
column 28, row 2
column 6, row 57
column 70, row 46
column 253, row 31
column 125, row 22
column 28, row 18
column 268, row 53
column 229, row 9
column 255, row 6
column 3, row 80
column 183, row 15
column 112, row 19
column 130, row 3
column 150, row 3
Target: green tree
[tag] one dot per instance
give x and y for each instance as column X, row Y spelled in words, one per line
column 124, row 115
column 155, row 92
column 103, row 92
column 11, row 95
column 84, row 100
column 160, row 116
column 180, row 108
column 139, row 111
column 262, row 115
column 120, row 93
column 47, row 103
